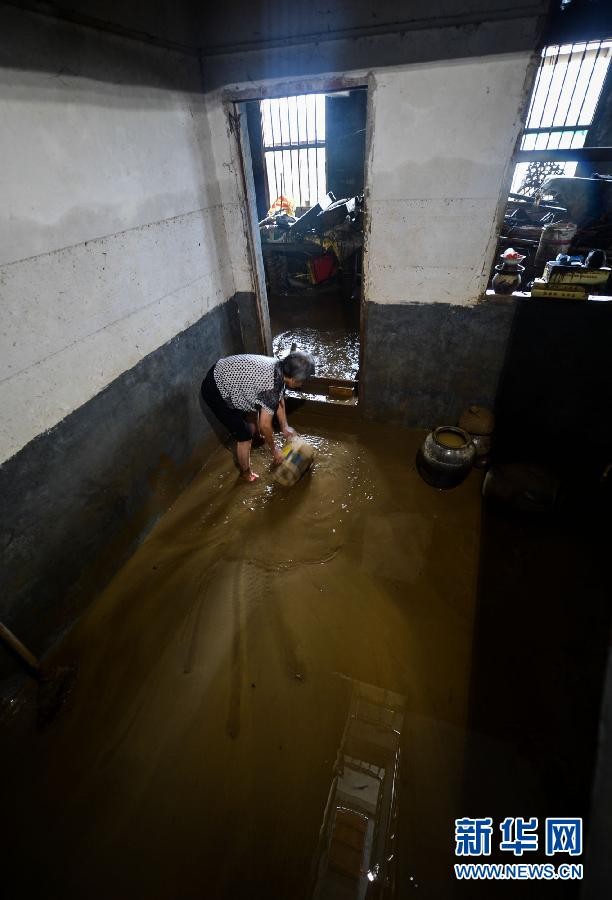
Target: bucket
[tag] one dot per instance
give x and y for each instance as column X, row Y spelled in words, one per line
column 298, row 457
column 555, row 238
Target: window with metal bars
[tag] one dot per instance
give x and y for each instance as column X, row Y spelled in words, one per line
column 564, row 99
column 293, row 133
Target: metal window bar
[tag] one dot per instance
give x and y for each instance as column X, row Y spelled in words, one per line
column 294, row 147
column 287, row 159
column 574, row 79
column 571, row 99
column 595, row 59
column 316, row 155
column 261, row 113
column 544, row 104
column 534, row 94
column 550, row 83
column 567, row 89
column 297, row 122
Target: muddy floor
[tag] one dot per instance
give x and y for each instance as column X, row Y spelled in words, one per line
column 276, row 696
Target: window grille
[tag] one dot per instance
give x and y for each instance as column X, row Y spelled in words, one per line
column 564, row 99
column 293, row 133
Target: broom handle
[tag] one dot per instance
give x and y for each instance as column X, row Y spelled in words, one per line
column 22, row 651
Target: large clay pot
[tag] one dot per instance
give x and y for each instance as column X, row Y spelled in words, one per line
column 479, row 422
column 446, row 457
column 482, row 445
column 507, row 277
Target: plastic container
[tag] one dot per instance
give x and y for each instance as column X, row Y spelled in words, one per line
column 298, row 458
column 555, row 238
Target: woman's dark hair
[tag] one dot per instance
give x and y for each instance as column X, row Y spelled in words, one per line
column 298, row 365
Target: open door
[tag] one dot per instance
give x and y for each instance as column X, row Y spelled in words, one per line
column 306, row 155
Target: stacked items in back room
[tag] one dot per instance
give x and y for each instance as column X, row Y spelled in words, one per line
column 564, row 241
column 321, row 247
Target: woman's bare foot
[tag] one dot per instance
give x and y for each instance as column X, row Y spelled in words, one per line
column 249, row 476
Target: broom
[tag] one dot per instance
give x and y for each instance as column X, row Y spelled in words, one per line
column 54, row 683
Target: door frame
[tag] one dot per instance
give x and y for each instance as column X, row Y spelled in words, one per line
column 234, row 100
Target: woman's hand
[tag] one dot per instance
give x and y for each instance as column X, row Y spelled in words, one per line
column 289, row 432
column 277, row 458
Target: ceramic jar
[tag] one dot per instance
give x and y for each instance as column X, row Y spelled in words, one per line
column 482, row 445
column 479, row 422
column 507, row 277
column 446, row 457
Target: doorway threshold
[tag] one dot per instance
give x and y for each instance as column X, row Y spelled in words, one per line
column 326, row 395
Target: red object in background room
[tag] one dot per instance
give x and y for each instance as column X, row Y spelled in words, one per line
column 322, row 267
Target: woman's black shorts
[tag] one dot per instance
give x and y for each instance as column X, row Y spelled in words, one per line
column 233, row 419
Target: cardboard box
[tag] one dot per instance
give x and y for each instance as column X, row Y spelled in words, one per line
column 555, row 274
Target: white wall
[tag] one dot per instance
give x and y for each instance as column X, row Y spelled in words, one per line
column 443, row 136
column 228, row 172
column 122, row 213
column 112, row 235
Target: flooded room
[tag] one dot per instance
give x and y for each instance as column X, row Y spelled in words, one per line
column 306, row 436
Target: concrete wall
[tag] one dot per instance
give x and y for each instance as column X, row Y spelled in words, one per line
column 248, row 25
column 125, row 257
column 446, row 95
column 276, row 23
column 78, row 499
column 225, row 144
column 374, row 39
column 112, row 236
column 440, row 143
column 117, row 293
column 442, row 136
column 425, row 362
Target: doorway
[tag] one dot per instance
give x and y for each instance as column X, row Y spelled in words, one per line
column 307, row 155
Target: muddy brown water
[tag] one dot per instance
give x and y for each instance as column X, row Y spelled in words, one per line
column 273, row 694
column 335, row 350
column 324, row 324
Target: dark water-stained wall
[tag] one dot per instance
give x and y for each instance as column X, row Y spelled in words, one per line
column 424, row 362
column 78, row 499
column 555, row 395
column 117, row 292
column 544, row 365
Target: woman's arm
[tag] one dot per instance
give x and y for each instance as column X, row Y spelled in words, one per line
column 265, row 426
column 281, row 412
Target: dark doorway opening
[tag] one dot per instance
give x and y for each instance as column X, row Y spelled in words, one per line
column 308, row 158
